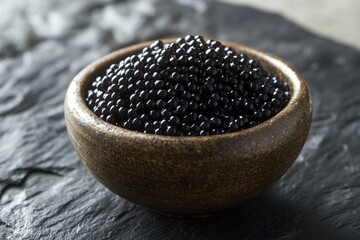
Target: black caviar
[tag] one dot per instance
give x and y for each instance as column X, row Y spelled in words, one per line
column 187, row 88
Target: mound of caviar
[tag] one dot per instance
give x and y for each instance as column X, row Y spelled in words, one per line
column 187, row 88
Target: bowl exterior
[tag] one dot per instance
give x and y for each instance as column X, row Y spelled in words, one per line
column 189, row 175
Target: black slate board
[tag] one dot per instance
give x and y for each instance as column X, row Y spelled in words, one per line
column 46, row 193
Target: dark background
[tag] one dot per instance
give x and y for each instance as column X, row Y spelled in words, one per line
column 45, row 191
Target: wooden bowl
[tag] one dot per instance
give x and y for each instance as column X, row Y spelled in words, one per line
column 189, row 175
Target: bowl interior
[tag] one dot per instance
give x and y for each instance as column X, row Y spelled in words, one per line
column 269, row 62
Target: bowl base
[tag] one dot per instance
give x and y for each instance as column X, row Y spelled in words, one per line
column 179, row 215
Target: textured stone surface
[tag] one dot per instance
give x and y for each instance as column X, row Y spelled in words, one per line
column 45, row 191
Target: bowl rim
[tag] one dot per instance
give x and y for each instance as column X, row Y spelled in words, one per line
column 75, row 98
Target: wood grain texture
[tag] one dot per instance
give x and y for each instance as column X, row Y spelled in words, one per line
column 47, row 193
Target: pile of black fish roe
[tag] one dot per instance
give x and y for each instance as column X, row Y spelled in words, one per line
column 187, row 88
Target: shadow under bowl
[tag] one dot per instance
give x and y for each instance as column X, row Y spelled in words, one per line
column 194, row 175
